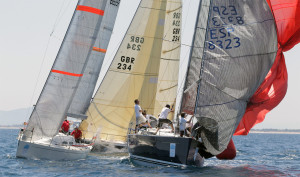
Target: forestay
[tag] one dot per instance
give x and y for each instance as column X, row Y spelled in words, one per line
column 133, row 72
column 68, row 69
column 234, row 48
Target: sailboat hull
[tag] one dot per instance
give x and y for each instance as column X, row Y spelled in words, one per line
column 31, row 150
column 151, row 150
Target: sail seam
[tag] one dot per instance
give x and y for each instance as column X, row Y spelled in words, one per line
column 170, row 59
column 138, row 74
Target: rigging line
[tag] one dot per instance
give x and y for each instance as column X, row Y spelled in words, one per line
column 39, row 74
column 43, row 60
column 60, row 14
column 107, row 118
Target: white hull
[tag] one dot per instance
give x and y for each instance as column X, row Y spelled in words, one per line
column 51, row 152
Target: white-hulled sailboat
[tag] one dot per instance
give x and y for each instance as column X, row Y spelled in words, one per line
column 70, row 84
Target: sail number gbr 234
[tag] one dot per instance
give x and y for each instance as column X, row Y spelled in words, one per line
column 126, row 63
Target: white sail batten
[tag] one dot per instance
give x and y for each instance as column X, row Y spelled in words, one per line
column 237, row 49
column 167, row 83
column 86, row 87
column 133, row 74
column 67, row 70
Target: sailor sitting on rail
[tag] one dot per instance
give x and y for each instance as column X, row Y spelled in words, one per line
column 148, row 120
column 77, row 134
column 163, row 118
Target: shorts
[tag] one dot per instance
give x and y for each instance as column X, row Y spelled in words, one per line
column 162, row 121
column 181, row 133
column 141, row 119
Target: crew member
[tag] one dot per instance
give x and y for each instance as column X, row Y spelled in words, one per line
column 77, row 134
column 140, row 119
column 163, row 117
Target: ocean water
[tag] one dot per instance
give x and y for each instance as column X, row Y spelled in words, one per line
column 257, row 155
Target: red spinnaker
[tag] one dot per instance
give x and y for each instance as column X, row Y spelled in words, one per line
column 274, row 87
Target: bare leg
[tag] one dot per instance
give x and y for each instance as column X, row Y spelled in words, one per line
column 172, row 127
column 157, row 130
column 149, row 125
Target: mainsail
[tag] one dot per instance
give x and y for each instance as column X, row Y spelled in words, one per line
column 234, row 48
column 69, row 69
column 134, row 71
column 86, row 87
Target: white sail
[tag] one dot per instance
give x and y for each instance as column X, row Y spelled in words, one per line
column 133, row 73
column 170, row 57
column 86, row 87
column 67, row 70
column 234, row 48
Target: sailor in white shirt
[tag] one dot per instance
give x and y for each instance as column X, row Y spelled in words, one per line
column 140, row 119
column 163, row 118
column 182, row 123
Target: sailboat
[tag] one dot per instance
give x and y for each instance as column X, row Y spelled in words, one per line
column 134, row 70
column 70, row 84
column 227, row 65
column 145, row 67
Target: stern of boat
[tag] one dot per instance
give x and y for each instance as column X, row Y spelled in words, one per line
column 164, row 150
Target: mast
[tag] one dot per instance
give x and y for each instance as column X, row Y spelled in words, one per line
column 189, row 62
column 188, row 99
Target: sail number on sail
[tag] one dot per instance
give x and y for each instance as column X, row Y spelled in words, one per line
column 135, row 43
column 115, row 2
column 126, row 63
column 223, row 21
column 176, row 29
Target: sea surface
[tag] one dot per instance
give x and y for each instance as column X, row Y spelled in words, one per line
column 258, row 154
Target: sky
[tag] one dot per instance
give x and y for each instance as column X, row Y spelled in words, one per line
column 31, row 33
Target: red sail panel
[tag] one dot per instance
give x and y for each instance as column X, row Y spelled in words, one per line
column 273, row 89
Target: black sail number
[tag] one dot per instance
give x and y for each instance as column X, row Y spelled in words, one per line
column 126, row 63
column 135, row 43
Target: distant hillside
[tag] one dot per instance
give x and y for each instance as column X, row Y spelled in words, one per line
column 14, row 117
